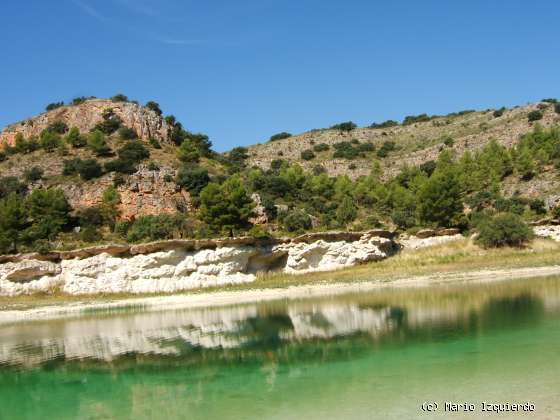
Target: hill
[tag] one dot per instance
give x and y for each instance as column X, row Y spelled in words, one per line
column 99, row 170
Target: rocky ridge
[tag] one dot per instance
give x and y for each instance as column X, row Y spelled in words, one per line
column 86, row 115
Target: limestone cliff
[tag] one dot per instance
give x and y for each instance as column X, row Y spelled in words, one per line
column 86, row 115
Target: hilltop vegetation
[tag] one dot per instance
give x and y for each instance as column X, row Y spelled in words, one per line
column 463, row 180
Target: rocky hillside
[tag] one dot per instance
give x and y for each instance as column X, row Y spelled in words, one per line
column 85, row 116
column 414, row 143
column 100, row 166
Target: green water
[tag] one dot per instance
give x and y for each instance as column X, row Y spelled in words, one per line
column 368, row 356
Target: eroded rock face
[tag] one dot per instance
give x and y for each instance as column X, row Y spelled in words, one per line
column 145, row 193
column 548, row 231
column 173, row 266
column 85, row 116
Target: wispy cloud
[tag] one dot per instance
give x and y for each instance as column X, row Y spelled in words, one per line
column 139, row 7
column 90, row 10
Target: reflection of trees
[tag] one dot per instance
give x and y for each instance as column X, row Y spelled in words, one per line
column 511, row 312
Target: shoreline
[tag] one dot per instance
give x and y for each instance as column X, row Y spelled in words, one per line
column 240, row 297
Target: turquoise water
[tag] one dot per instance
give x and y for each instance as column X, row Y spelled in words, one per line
column 368, row 356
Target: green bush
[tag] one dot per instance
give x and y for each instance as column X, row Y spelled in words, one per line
column 297, row 221
column 344, row 126
column 386, row 147
column 119, row 97
column 33, row 174
column 188, row 152
column 54, row 105
column 192, row 179
column 120, row 166
column 345, row 150
column 499, row 112
column 49, row 140
column 154, row 143
column 504, row 229
column 75, row 139
column 321, row 147
column 535, row 115
column 89, row 169
column 151, row 228
column 307, row 154
column 48, row 211
column 127, row 133
column 154, row 106
column 98, row 144
column 557, row 107
column 110, row 123
column 411, row 119
column 11, row 184
column 58, row 127
column 280, row 136
column 385, row 124
column 134, row 152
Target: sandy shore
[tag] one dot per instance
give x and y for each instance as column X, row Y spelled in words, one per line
column 262, row 295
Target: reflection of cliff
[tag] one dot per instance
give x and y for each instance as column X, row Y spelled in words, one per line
column 288, row 330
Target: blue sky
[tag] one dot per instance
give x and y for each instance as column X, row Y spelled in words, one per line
column 243, row 70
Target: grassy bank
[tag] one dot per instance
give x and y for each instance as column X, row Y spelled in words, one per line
column 454, row 257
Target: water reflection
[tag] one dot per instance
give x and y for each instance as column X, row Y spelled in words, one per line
column 292, row 330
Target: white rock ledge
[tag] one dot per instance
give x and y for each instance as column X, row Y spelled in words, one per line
column 172, row 266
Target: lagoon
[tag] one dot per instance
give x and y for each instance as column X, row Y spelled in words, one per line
column 387, row 354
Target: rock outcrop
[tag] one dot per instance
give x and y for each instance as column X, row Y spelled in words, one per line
column 171, row 266
column 86, row 115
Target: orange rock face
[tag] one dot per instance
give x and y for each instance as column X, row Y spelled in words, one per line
column 85, row 116
column 145, row 193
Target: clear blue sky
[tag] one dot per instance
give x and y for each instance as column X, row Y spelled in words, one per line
column 243, row 70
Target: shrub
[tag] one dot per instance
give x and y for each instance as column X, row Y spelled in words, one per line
column 25, row 146
column 307, row 154
column 188, row 153
column 49, row 140
column 297, row 221
column 89, row 216
column 321, row 147
column 134, row 152
column 70, row 166
column 11, row 184
column 411, row 119
column 280, row 136
column 151, row 228
column 154, row 106
column 59, row 127
column 154, row 143
column 385, row 148
column 345, row 150
column 120, row 166
column 366, row 147
column 89, row 169
column 54, row 105
column 118, row 179
column 448, row 141
column 75, row 139
column 534, row 115
column 110, row 123
column 385, row 124
column 538, row 206
column 127, row 133
column 80, row 100
column 33, row 174
column 119, row 97
column 499, row 112
column 344, row 126
column 504, row 229
column 192, row 179
column 97, row 143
